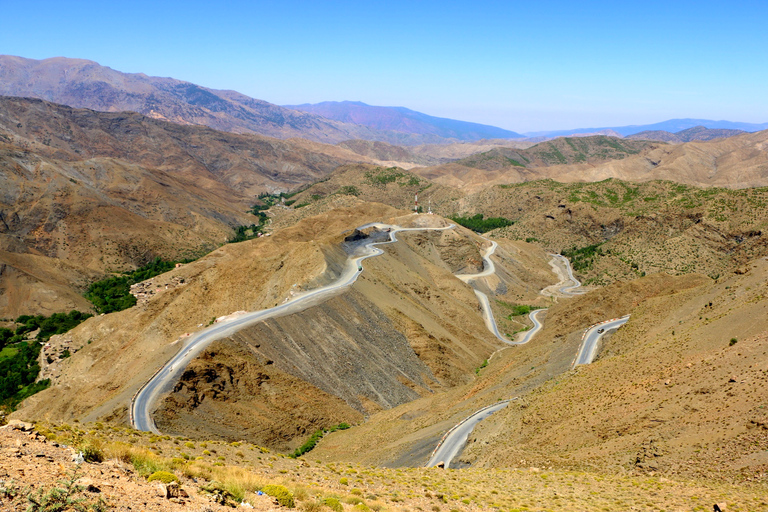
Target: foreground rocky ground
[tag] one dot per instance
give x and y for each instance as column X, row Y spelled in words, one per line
column 217, row 476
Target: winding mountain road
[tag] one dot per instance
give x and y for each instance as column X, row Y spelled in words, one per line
column 163, row 380
column 454, row 440
column 592, row 336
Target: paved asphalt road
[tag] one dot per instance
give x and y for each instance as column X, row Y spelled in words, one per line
column 457, row 437
column 163, row 380
column 453, row 442
column 592, row 337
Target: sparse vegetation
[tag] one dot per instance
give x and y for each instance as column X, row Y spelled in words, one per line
column 281, row 493
column 349, row 190
column 67, row 496
column 380, row 177
column 583, row 257
column 165, row 477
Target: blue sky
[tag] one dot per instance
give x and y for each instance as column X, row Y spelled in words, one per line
column 523, row 66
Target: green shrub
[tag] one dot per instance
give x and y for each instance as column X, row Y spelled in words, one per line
column 281, row 493
column 91, row 452
column 163, row 476
column 333, row 503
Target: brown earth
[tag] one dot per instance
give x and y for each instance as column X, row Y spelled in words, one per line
column 219, row 162
column 129, row 457
column 408, row 329
column 86, row 193
column 390, row 185
column 690, row 399
column 133, row 342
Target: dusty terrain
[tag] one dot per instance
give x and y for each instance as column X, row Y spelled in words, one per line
column 678, row 391
column 408, row 329
column 37, row 460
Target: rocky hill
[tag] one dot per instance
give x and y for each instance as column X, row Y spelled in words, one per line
column 250, row 164
column 83, row 193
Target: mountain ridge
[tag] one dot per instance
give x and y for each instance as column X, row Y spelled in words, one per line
column 670, row 125
column 82, row 83
column 405, row 120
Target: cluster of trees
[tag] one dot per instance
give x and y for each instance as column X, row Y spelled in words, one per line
column 113, row 294
column 584, row 257
column 479, row 224
column 18, row 361
column 243, row 233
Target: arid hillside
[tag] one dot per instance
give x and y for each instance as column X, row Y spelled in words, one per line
column 407, row 328
column 734, row 162
column 64, row 224
column 615, row 230
column 679, row 390
column 89, row 193
column 249, row 164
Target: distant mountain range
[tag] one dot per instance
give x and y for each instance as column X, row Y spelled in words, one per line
column 86, row 84
column 691, row 134
column 672, row 126
column 401, row 119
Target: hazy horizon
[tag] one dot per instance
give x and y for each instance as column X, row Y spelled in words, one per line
column 514, row 65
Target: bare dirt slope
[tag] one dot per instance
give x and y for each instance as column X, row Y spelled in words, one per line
column 64, row 224
column 408, row 329
column 215, row 160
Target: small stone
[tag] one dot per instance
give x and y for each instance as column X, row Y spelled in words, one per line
column 20, row 425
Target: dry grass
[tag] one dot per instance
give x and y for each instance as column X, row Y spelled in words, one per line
column 316, row 486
